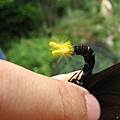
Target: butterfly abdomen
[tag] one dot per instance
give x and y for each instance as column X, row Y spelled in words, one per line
column 89, row 58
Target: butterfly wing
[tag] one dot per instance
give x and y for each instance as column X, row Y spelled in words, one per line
column 105, row 86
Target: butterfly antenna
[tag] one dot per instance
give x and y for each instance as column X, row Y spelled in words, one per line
column 78, row 74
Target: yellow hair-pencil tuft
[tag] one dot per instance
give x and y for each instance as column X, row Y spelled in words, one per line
column 63, row 48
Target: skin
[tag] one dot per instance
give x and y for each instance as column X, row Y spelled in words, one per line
column 25, row 95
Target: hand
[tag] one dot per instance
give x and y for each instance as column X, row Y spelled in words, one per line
column 25, row 95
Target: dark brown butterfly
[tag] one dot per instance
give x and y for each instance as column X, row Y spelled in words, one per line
column 105, row 85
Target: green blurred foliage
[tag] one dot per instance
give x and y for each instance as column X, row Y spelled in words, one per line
column 84, row 26
column 116, row 47
column 79, row 20
column 33, row 54
column 18, row 20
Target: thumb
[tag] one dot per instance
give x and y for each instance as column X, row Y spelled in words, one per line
column 25, row 95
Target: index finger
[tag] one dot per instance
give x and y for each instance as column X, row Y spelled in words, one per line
column 67, row 76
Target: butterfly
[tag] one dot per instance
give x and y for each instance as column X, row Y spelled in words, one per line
column 104, row 85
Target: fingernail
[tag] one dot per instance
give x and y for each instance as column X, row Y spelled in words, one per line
column 93, row 107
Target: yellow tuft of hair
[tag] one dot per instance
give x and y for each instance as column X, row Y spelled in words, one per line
column 63, row 48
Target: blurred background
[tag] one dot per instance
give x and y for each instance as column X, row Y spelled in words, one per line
column 27, row 27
